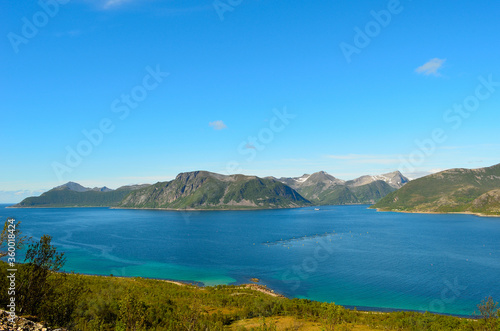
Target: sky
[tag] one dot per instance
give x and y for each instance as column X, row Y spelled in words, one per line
column 116, row 92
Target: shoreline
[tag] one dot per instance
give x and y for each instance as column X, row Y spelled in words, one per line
column 215, row 209
column 12, row 207
column 268, row 291
column 259, row 209
column 186, row 209
column 436, row 212
column 164, row 209
column 256, row 287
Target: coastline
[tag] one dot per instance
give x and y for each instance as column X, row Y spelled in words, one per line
column 256, row 287
column 165, row 209
column 255, row 209
column 186, row 209
column 435, row 212
column 40, row 207
column 268, row 291
column 210, row 209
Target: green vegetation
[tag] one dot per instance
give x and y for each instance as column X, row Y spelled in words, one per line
column 11, row 232
column 455, row 190
column 205, row 190
column 336, row 195
column 33, row 283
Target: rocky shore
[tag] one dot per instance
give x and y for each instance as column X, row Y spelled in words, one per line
column 22, row 324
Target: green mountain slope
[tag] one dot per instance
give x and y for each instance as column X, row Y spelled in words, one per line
column 75, row 195
column 455, row 190
column 206, row 190
column 372, row 192
column 343, row 194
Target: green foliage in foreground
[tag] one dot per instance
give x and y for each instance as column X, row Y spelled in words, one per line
column 81, row 302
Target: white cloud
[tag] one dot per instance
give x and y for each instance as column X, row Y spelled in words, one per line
column 431, row 67
column 217, row 125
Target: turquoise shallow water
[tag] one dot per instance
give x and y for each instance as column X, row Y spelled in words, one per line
column 349, row 255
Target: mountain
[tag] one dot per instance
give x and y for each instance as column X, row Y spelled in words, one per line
column 207, row 190
column 320, row 178
column 324, row 189
column 72, row 186
column 455, row 190
column 75, row 195
column 394, row 179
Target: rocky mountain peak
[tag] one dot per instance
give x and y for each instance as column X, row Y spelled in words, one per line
column 72, row 186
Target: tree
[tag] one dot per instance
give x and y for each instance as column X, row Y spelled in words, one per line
column 490, row 313
column 44, row 256
column 41, row 260
column 11, row 233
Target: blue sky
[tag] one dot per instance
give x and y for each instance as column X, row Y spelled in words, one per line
column 162, row 87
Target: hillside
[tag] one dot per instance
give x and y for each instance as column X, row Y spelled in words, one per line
column 323, row 189
column 207, row 190
column 456, row 190
column 74, row 195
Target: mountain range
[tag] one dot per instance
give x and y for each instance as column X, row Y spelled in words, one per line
column 208, row 190
column 322, row 188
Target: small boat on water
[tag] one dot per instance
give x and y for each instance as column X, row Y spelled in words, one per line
column 316, row 208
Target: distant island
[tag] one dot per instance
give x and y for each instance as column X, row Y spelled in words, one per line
column 203, row 190
column 474, row 191
column 75, row 195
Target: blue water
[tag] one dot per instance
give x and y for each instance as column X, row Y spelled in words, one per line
column 349, row 255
